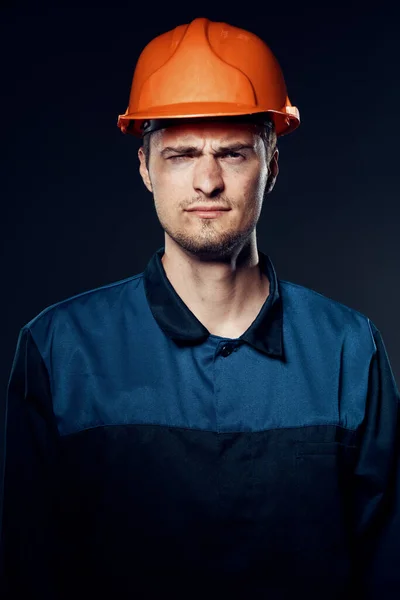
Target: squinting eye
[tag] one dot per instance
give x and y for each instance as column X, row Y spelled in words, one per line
column 232, row 154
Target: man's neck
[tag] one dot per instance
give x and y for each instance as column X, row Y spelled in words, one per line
column 225, row 300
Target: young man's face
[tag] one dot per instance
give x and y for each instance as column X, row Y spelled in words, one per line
column 201, row 164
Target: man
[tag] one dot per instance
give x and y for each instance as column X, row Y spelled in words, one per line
column 203, row 428
column 211, row 259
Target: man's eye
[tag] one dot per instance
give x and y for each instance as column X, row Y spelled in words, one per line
column 233, row 153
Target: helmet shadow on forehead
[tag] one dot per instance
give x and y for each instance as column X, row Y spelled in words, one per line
column 253, row 121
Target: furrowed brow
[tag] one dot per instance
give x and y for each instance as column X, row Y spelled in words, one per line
column 184, row 149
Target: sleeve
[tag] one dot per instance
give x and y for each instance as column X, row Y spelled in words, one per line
column 377, row 484
column 29, row 521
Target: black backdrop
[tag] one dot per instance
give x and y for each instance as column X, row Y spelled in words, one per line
column 76, row 215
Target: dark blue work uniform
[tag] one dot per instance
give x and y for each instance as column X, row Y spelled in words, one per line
column 146, row 458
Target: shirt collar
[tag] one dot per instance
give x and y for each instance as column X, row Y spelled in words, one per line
column 181, row 325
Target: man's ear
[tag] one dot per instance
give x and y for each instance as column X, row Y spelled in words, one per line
column 273, row 170
column 143, row 170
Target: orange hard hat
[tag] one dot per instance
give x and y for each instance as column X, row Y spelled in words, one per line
column 207, row 69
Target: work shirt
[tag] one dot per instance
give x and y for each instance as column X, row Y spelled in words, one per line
column 146, row 457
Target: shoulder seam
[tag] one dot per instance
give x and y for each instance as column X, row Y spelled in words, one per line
column 328, row 298
column 80, row 294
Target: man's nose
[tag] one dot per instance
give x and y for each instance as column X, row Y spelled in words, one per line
column 207, row 177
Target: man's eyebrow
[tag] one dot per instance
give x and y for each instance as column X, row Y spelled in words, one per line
column 185, row 149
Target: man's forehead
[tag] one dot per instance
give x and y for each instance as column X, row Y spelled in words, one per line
column 218, row 131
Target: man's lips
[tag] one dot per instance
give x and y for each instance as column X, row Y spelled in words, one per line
column 207, row 208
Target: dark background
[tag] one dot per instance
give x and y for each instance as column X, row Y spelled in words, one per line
column 76, row 214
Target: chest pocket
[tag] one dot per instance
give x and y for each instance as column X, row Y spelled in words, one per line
column 324, row 478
